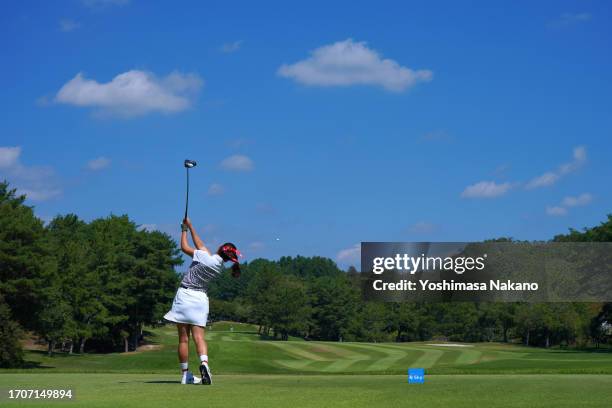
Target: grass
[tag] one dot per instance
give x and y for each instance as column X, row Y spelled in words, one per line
column 256, row 373
column 236, row 349
column 156, row 390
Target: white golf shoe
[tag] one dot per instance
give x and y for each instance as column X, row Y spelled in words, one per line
column 189, row 378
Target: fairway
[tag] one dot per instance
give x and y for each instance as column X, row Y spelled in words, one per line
column 237, row 349
column 269, row 391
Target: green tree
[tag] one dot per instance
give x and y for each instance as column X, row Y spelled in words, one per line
column 288, row 307
column 25, row 265
column 457, row 321
column 503, row 316
column 403, row 319
column 56, row 321
column 334, row 304
column 71, row 245
column 527, row 318
column 600, row 233
column 259, row 290
column 600, row 325
column 228, row 288
column 11, row 354
column 314, row 267
column 136, row 271
column 153, row 282
column 370, row 323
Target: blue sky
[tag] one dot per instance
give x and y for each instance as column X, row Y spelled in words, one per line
column 315, row 125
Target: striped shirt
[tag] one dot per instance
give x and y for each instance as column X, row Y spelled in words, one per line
column 202, row 270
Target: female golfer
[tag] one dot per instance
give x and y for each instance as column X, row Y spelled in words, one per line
column 190, row 307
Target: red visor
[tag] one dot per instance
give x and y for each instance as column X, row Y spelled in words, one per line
column 232, row 253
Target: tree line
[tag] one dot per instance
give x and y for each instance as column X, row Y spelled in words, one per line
column 312, row 298
column 93, row 286
column 286, row 300
column 77, row 284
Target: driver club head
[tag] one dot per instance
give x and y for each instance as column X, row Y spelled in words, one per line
column 190, row 163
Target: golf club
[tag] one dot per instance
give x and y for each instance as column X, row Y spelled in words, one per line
column 188, row 165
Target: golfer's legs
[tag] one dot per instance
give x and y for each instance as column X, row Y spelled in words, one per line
column 198, row 338
column 183, row 346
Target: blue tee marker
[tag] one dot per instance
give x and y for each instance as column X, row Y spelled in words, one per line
column 416, row 375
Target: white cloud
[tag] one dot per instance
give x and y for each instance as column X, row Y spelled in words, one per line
column 547, row 179
column 350, row 255
column 346, row 63
column 237, row 162
column 551, row 177
column 68, row 25
column 40, row 194
column 486, row 189
column 216, row 189
column 579, row 158
column 38, row 183
column 9, row 156
column 491, row 189
column 147, row 227
column 556, row 211
column 98, row 163
column 422, row 227
column 580, row 154
column 582, row 199
column 569, row 202
column 132, row 93
column 231, row 47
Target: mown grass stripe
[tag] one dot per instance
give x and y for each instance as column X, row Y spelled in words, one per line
column 429, row 359
column 295, row 364
column 294, row 349
column 468, row 357
column 349, row 358
column 389, row 356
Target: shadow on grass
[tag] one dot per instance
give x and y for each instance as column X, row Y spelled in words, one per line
column 58, row 354
column 31, row 365
column 149, row 337
column 28, row 364
column 149, row 382
column 233, row 332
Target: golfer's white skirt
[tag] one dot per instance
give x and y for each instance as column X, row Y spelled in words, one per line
column 189, row 307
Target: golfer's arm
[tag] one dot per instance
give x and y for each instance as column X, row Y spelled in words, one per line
column 185, row 244
column 198, row 241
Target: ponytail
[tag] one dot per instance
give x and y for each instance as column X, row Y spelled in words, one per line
column 229, row 253
column 236, row 270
